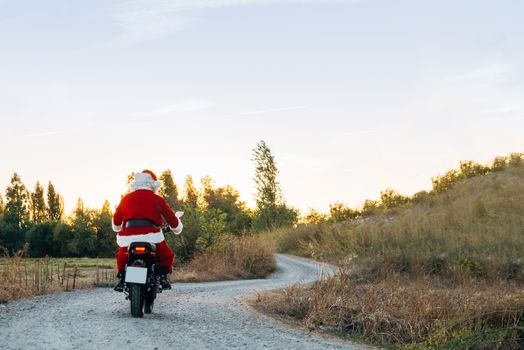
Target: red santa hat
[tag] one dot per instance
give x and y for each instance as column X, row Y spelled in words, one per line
column 145, row 180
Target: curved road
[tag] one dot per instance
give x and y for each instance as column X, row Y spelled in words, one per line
column 191, row 316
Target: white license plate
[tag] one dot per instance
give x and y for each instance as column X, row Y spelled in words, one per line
column 136, row 275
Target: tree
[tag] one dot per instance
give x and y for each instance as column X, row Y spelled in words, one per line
column 40, row 239
column 370, row 207
column 268, row 189
column 271, row 209
column 227, row 200
column 105, row 237
column 390, row 198
column 207, row 191
column 273, row 217
column 314, row 217
column 55, row 206
column 190, row 193
column 62, row 236
column 515, row 159
column 83, row 241
column 420, row 196
column 212, row 226
column 16, row 215
column 499, row 163
column 17, row 205
column 169, row 190
column 340, row 212
column 38, row 207
column 2, row 207
column 470, row 169
column 129, row 180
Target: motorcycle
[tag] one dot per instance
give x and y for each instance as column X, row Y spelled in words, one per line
column 142, row 282
column 142, row 278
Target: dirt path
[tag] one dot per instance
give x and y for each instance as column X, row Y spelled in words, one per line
column 191, row 316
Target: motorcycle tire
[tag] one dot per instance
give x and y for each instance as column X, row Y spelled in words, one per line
column 136, row 296
column 148, row 306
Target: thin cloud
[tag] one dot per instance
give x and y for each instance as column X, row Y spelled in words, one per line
column 68, row 129
column 175, row 111
column 143, row 20
column 191, row 105
column 176, row 108
column 488, row 71
column 258, row 112
column 510, row 111
column 506, row 110
column 362, row 132
column 50, row 133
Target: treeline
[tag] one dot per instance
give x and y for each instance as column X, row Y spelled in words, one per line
column 211, row 214
column 391, row 199
column 37, row 218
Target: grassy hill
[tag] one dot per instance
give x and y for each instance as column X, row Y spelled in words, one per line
column 442, row 270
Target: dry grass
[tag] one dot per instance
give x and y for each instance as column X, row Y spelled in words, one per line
column 419, row 312
column 231, row 258
column 23, row 277
column 446, row 272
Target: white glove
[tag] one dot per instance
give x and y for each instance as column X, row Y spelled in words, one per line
column 177, row 230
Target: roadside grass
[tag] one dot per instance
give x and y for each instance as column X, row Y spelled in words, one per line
column 401, row 313
column 445, row 272
column 230, row 258
column 23, row 277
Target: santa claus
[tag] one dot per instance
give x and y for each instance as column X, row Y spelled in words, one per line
column 138, row 218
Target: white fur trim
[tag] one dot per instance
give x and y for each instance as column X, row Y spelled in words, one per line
column 116, row 228
column 144, row 181
column 177, row 230
column 153, row 237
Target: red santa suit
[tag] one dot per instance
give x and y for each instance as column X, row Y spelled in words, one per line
column 143, row 203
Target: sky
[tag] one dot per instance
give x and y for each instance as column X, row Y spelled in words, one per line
column 352, row 97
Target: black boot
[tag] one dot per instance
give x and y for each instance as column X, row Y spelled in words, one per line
column 164, row 281
column 121, row 275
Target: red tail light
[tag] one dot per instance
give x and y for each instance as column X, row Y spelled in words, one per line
column 139, row 249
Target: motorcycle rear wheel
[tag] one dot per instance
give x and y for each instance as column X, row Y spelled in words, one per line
column 136, row 296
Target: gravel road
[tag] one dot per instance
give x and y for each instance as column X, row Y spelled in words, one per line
column 190, row 316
